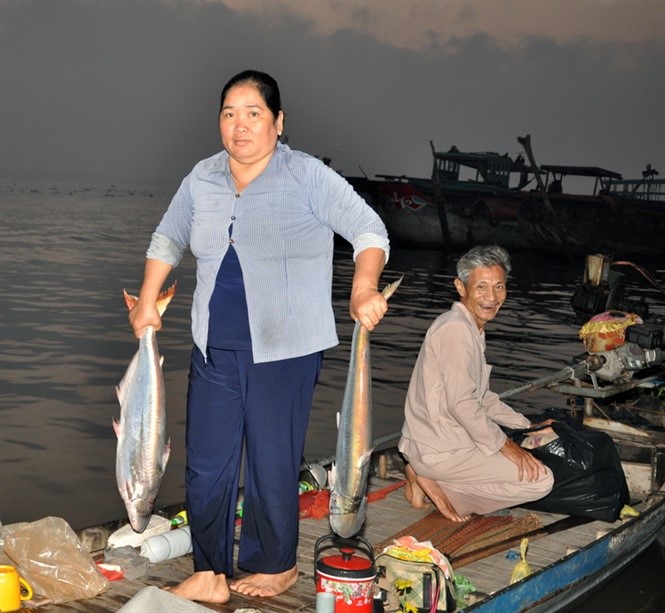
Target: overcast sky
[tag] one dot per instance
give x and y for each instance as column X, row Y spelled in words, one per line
column 126, row 92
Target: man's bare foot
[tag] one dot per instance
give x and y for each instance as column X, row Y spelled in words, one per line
column 260, row 584
column 204, row 586
column 433, row 491
column 412, row 491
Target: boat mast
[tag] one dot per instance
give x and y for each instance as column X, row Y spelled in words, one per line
column 525, row 141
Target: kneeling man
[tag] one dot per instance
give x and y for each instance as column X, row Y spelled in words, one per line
column 457, row 454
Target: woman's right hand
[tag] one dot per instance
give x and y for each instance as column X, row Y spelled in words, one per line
column 144, row 314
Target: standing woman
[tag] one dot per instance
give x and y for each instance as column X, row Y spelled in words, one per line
column 260, row 219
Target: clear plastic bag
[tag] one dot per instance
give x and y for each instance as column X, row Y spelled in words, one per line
column 53, row 560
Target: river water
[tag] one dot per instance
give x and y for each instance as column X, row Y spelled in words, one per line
column 67, row 253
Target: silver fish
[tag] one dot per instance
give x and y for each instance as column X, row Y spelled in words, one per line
column 142, row 451
column 348, row 476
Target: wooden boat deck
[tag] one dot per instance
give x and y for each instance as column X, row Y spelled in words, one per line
column 385, row 518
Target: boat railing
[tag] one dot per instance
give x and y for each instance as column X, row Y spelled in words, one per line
column 639, row 189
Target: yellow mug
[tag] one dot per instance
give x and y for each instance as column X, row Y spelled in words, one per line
column 11, row 593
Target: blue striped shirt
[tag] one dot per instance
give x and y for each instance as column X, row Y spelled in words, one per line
column 283, row 227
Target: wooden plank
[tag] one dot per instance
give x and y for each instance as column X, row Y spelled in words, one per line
column 385, row 518
column 558, row 526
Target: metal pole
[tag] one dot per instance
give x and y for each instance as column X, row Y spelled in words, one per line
column 570, row 372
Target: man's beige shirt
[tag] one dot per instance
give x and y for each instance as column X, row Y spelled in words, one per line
column 449, row 405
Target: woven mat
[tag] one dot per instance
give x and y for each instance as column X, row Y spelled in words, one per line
column 457, row 538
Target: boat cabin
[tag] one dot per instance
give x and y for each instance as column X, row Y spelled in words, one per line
column 491, row 168
column 554, row 177
column 607, row 182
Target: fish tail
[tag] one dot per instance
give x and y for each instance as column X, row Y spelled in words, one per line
column 389, row 290
column 162, row 300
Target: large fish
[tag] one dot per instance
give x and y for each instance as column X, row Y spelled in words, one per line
column 348, row 476
column 143, row 450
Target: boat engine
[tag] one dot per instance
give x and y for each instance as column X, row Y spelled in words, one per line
column 620, row 337
column 604, row 289
column 622, row 362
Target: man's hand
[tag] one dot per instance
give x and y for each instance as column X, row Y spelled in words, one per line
column 527, row 465
column 542, row 424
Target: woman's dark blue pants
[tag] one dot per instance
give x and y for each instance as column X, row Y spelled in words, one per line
column 265, row 407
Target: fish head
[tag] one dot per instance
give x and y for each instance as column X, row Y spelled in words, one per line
column 347, row 517
column 139, row 511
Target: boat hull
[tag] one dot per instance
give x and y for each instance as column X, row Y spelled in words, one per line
column 451, row 218
column 590, row 224
column 575, row 576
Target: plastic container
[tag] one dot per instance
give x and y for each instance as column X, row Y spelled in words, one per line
column 349, row 574
column 647, row 336
column 167, row 546
column 180, row 519
column 325, row 602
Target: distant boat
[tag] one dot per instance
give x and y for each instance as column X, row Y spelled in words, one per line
column 485, row 207
column 617, row 217
column 520, row 205
column 406, row 206
column 614, row 216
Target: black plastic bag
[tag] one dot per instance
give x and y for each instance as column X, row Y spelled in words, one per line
column 588, row 477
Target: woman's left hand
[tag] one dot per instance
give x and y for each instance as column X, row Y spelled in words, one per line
column 368, row 307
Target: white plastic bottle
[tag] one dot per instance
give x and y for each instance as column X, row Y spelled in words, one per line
column 172, row 544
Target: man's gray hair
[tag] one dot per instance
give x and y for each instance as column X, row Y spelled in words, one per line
column 482, row 256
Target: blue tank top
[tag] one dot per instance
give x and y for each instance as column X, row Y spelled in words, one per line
column 229, row 322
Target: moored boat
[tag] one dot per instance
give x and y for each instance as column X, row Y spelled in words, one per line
column 510, row 203
column 483, row 197
column 479, row 193
column 568, row 559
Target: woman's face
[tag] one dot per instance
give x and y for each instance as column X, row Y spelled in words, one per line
column 248, row 128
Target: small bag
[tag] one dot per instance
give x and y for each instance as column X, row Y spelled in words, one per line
column 411, row 586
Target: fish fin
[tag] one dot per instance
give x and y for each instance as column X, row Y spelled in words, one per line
column 167, row 453
column 365, row 458
column 165, row 297
column 130, row 300
column 118, row 393
column 117, row 427
column 332, row 474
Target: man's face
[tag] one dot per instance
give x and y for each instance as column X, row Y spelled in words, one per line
column 484, row 293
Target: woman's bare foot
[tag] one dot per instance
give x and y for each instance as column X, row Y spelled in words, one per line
column 412, row 491
column 421, row 487
column 204, row 586
column 260, row 584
